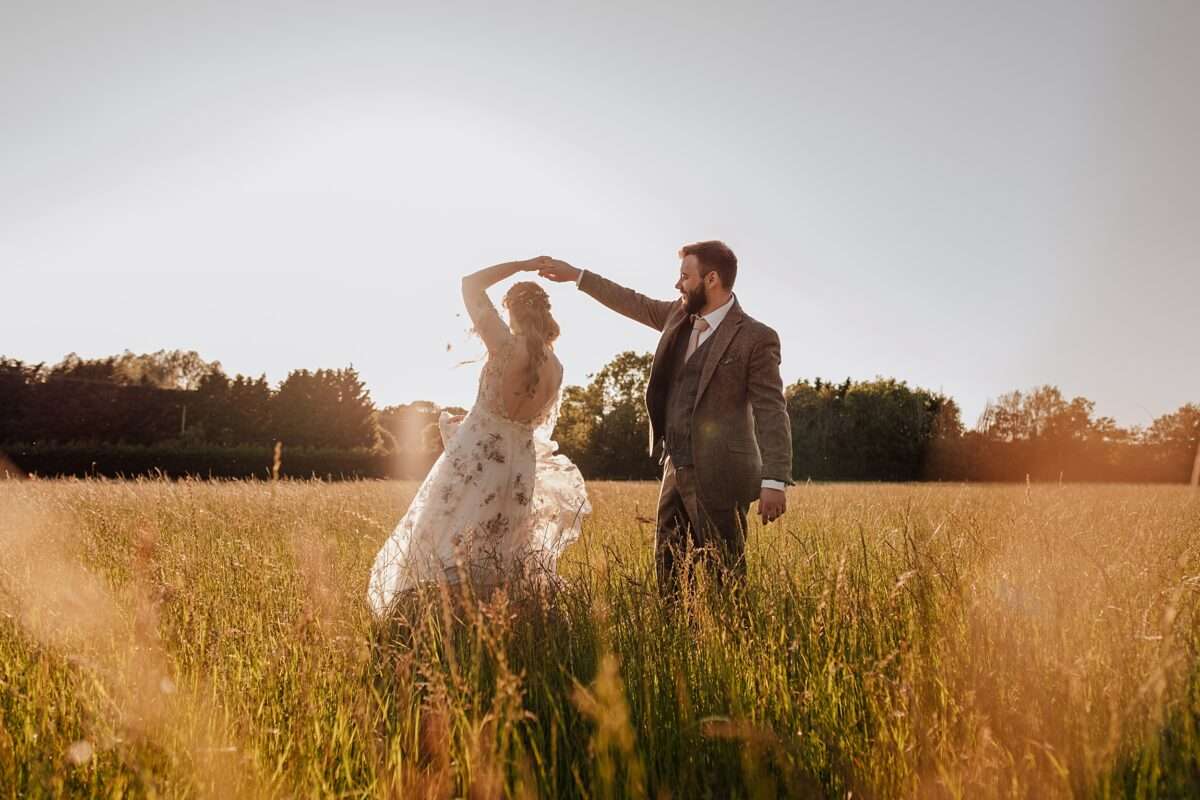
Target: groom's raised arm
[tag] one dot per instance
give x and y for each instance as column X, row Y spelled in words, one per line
column 625, row 301
column 637, row 307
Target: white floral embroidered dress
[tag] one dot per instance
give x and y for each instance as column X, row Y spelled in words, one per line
column 498, row 503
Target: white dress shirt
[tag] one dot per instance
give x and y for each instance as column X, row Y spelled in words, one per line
column 715, row 318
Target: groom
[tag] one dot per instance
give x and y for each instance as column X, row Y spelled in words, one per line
column 716, row 407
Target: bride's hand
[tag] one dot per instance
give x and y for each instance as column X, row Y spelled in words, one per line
column 536, row 264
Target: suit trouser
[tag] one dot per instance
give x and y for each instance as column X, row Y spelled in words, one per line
column 686, row 528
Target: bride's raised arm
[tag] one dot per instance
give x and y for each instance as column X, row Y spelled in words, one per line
column 487, row 321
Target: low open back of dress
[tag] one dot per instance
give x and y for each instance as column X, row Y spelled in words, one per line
column 517, row 404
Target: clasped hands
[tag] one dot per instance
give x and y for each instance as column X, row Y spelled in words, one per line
column 552, row 269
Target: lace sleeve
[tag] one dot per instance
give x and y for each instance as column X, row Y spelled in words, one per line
column 486, row 319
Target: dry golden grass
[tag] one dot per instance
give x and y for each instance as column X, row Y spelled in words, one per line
column 212, row 639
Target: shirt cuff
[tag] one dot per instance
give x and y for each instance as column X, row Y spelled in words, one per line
column 579, row 277
column 770, row 484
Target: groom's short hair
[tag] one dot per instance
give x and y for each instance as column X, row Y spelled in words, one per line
column 713, row 255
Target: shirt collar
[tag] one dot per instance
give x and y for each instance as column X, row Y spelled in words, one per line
column 714, row 317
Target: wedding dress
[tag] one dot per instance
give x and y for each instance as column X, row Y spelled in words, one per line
column 498, row 504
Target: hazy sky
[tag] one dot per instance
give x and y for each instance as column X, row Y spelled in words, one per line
column 971, row 197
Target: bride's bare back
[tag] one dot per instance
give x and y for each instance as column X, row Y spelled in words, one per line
column 519, row 405
column 504, row 381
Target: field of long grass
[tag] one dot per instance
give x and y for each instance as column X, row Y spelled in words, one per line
column 212, row 639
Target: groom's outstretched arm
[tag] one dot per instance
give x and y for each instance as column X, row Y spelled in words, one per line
column 636, row 306
column 625, row 301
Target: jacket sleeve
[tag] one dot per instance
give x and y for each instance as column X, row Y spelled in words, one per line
column 636, row 306
column 772, row 427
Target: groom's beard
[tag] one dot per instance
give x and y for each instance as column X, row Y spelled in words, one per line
column 696, row 299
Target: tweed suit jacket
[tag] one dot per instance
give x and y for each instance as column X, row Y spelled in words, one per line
column 740, row 428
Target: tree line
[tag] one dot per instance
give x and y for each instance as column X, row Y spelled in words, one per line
column 885, row 430
column 176, row 413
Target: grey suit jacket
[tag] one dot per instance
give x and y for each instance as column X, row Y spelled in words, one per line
column 740, row 428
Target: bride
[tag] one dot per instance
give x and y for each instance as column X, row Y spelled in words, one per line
column 498, row 504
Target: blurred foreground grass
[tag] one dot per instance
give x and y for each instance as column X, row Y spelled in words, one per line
column 212, row 639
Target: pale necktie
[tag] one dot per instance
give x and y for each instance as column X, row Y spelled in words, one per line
column 699, row 326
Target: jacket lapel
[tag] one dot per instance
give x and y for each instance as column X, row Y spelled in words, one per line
column 721, row 339
column 653, row 385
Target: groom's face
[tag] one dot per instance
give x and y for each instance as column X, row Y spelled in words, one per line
column 694, row 295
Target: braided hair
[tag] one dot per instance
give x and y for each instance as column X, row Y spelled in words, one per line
column 529, row 307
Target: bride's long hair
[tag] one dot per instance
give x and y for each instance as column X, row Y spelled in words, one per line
column 529, row 310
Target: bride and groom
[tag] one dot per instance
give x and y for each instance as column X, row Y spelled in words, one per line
column 501, row 505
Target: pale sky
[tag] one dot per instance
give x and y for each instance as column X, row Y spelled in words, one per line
column 972, row 197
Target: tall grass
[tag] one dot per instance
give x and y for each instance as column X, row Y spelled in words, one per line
column 212, row 639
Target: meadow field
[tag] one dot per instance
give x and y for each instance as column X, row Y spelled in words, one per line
column 190, row 639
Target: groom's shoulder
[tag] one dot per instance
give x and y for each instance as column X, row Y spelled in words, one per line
column 758, row 329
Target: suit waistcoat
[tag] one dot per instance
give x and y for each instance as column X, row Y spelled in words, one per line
column 682, row 387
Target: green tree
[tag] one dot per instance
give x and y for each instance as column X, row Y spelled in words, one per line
column 17, row 381
column 870, row 430
column 325, row 408
column 232, row 412
column 603, row 427
column 1179, row 429
column 1041, row 434
column 164, row 369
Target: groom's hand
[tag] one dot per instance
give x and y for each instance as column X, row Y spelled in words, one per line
column 558, row 271
column 771, row 504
